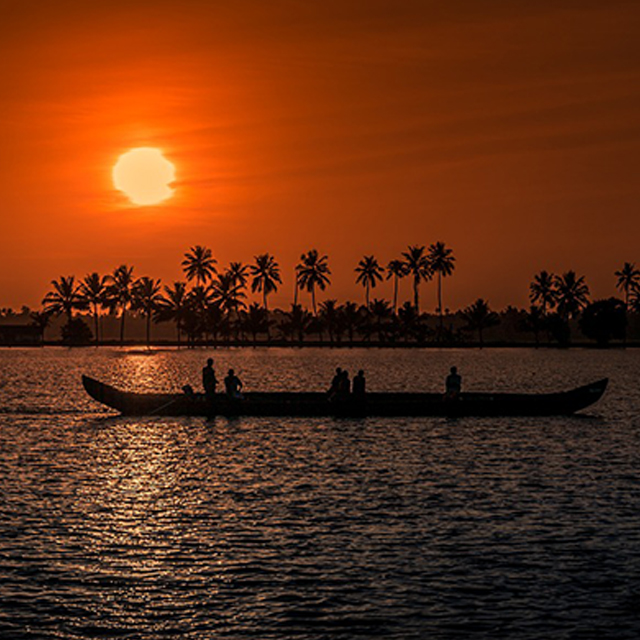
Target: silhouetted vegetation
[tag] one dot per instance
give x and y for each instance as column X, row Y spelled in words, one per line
column 212, row 306
column 604, row 320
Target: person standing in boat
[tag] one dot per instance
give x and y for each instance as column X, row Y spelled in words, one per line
column 233, row 386
column 209, row 381
column 453, row 385
column 359, row 384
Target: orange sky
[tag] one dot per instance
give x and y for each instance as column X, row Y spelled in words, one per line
column 508, row 130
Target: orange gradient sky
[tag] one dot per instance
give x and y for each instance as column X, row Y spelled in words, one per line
column 508, row 130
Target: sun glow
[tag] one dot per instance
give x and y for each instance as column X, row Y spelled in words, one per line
column 144, row 176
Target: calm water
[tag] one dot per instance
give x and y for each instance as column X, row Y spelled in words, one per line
column 116, row 527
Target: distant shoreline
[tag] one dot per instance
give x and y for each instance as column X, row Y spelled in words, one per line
column 168, row 344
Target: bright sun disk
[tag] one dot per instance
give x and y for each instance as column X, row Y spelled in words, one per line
column 144, row 176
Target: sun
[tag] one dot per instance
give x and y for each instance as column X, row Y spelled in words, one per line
column 144, row 175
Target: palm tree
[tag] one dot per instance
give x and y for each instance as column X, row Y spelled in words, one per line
column 634, row 300
column 198, row 300
column 92, row 289
column 572, row 294
column 417, row 266
column 147, row 298
column 542, row 290
column 381, row 311
column 296, row 280
column 41, row 320
column 215, row 321
column 64, row 298
column 441, row 261
column 480, row 317
column 199, row 264
column 257, row 320
column 239, row 274
column 266, row 276
column 119, row 293
column 173, row 305
column 297, row 321
column 628, row 280
column 396, row 269
column 329, row 312
column 313, row 272
column 226, row 293
column 369, row 274
column 351, row 317
column 409, row 320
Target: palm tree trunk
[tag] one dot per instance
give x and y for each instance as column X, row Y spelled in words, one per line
column 148, row 329
column 416, row 301
column 313, row 300
column 626, row 316
column 395, row 294
column 266, row 311
column 367, row 294
column 440, row 301
column 97, row 326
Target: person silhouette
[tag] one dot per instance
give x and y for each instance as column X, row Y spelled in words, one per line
column 453, row 384
column 233, row 385
column 209, row 381
column 359, row 384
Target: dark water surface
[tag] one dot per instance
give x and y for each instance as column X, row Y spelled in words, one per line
column 115, row 527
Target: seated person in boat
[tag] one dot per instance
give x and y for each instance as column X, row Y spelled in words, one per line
column 335, row 384
column 233, row 386
column 209, row 380
column 453, row 385
column 344, row 385
column 359, row 384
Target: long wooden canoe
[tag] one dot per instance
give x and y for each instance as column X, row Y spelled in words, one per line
column 373, row 404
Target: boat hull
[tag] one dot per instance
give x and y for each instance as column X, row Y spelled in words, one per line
column 373, row 404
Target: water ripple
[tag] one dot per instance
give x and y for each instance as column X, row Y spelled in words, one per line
column 114, row 527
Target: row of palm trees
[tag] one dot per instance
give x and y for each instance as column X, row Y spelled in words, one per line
column 211, row 301
column 568, row 294
column 207, row 291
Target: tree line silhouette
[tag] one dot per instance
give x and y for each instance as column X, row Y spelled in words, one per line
column 211, row 305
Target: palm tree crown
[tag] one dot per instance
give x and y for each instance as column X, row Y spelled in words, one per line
column 573, row 294
column 226, row 293
column 239, row 273
column 628, row 280
column 313, row 272
column 266, row 275
column 369, row 274
column 64, row 298
column 199, row 264
column 543, row 290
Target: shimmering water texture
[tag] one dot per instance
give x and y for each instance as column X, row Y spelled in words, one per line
column 115, row 527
